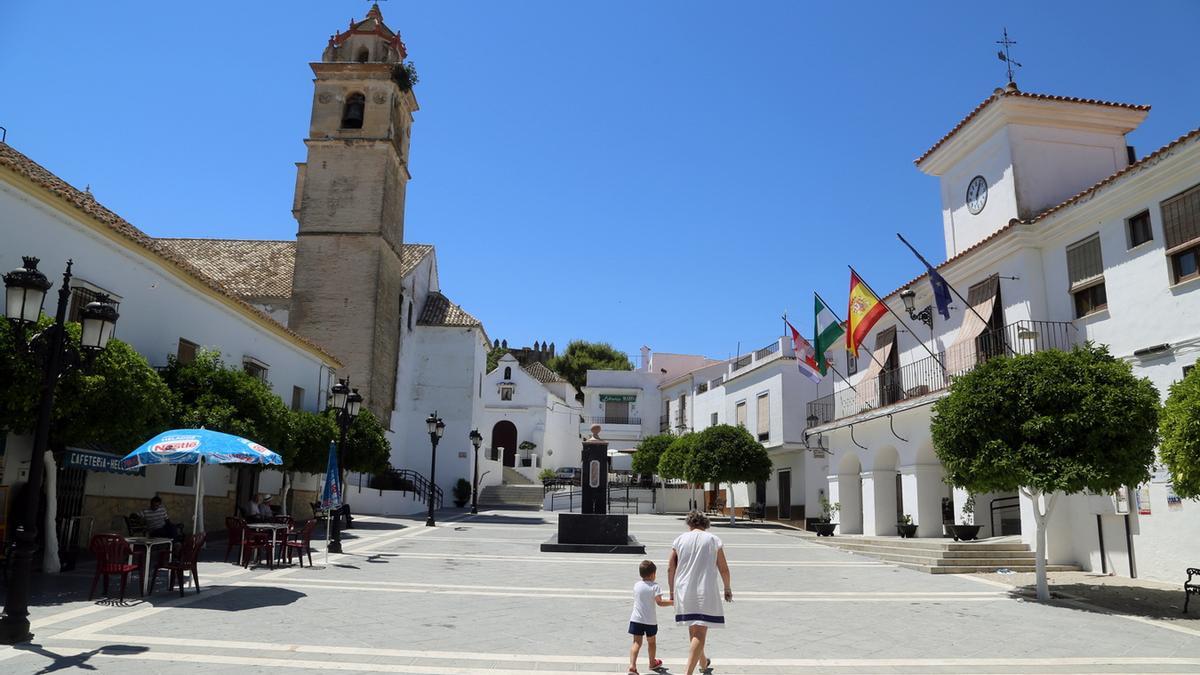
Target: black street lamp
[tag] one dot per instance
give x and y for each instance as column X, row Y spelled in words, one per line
column 436, row 428
column 476, row 440
column 346, row 402
column 25, row 293
column 925, row 316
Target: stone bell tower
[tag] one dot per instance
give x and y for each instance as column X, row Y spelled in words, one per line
column 349, row 202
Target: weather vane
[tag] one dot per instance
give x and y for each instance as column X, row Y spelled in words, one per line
column 1004, row 56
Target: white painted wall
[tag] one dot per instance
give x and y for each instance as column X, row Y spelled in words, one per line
column 541, row 416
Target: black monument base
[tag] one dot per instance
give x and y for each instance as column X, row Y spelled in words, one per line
column 593, row 533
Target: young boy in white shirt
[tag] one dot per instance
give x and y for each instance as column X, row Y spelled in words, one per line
column 647, row 595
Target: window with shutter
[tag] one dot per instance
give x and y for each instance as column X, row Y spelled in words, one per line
column 763, row 422
column 1085, row 272
column 740, row 414
column 1138, row 229
column 1181, row 234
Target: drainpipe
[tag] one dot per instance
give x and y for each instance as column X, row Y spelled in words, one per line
column 1129, row 549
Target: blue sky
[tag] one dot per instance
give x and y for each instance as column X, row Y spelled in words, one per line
column 667, row 173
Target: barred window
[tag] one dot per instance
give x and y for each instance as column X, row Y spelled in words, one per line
column 1181, row 232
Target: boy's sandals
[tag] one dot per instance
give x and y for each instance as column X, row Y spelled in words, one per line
column 656, row 663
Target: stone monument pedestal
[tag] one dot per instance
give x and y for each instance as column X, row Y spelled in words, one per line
column 594, row 530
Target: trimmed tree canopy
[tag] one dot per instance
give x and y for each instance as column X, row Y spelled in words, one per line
column 649, row 451
column 307, row 447
column 118, row 401
column 674, row 459
column 367, row 448
column 727, row 454
column 580, row 357
column 1051, row 421
column 1180, row 429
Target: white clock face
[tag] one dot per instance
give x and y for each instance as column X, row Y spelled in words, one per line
column 977, row 195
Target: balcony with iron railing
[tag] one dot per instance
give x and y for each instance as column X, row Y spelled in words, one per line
column 780, row 347
column 930, row 375
column 615, row 419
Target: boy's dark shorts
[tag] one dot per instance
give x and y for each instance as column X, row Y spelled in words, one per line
column 647, row 629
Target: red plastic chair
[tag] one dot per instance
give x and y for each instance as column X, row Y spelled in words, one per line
column 300, row 544
column 254, row 545
column 186, row 562
column 234, row 527
column 113, row 556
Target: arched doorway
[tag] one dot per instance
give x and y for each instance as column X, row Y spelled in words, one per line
column 504, row 435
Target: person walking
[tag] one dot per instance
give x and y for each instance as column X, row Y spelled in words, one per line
column 697, row 558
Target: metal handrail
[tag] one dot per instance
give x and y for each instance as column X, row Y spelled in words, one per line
column 613, row 419
column 408, row 480
column 930, row 374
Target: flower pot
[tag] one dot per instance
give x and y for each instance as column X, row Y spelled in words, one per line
column 906, row 531
column 964, row 532
column 824, row 529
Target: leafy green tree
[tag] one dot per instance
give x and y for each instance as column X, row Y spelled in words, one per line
column 1180, row 431
column 727, row 454
column 307, row 446
column 367, row 449
column 674, row 459
column 493, row 357
column 649, row 451
column 229, row 400
column 581, row 356
column 1047, row 423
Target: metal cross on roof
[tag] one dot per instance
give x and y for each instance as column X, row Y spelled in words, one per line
column 1004, row 56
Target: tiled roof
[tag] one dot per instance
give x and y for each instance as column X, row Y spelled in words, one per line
column 1011, row 90
column 1141, row 163
column 541, row 373
column 257, row 268
column 25, row 167
column 439, row 311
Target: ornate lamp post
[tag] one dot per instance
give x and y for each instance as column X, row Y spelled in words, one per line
column 476, row 440
column 908, row 296
column 25, row 293
column 436, row 428
column 347, row 402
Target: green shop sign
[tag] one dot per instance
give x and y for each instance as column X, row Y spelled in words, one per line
column 618, row 398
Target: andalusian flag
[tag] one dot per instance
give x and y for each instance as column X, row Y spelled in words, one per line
column 827, row 330
column 865, row 309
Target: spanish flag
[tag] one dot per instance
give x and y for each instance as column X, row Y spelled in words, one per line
column 865, row 309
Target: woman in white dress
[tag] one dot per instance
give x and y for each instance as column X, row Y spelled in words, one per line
column 697, row 557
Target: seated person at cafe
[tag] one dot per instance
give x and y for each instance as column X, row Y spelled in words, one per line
column 250, row 509
column 264, row 508
column 157, row 523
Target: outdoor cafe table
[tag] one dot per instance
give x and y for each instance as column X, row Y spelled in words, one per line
column 148, row 543
column 275, row 529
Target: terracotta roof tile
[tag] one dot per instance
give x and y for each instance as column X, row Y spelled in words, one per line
column 1012, row 91
column 541, row 373
column 25, row 167
column 439, row 311
column 258, row 268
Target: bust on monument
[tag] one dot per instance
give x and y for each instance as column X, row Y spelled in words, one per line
column 595, row 433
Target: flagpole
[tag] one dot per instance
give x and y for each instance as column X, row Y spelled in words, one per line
column 893, row 313
column 839, row 320
column 950, row 286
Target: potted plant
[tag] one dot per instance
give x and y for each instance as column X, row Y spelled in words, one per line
column 905, row 527
column 546, row 475
column 461, row 492
column 825, row 527
column 968, row 530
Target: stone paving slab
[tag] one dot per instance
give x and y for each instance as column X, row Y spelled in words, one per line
column 475, row 596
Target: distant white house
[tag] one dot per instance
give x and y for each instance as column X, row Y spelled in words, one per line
column 530, row 419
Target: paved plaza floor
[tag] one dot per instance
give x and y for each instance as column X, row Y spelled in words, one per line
column 474, row 595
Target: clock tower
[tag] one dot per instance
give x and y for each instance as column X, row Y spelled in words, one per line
column 349, row 203
column 1018, row 154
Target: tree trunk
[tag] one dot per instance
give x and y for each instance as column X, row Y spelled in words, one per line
column 50, row 562
column 283, row 499
column 732, row 511
column 1042, row 507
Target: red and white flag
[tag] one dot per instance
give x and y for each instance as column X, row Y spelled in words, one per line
column 806, row 356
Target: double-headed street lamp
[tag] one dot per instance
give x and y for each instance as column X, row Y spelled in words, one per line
column 476, row 440
column 436, row 428
column 347, row 402
column 25, row 293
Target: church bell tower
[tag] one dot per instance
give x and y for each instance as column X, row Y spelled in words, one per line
column 349, row 203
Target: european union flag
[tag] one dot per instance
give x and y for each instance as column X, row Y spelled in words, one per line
column 941, row 292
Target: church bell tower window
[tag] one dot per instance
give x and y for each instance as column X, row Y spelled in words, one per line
column 352, row 113
column 364, row 55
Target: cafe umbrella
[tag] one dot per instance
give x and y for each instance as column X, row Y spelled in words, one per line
column 199, row 447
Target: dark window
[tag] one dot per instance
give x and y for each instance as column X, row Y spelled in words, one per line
column 181, row 475
column 186, row 352
column 1186, row 264
column 1089, row 300
column 1187, row 369
column 712, row 420
column 255, row 369
column 1139, row 229
column 352, row 112
column 507, row 372
column 80, row 297
column 297, row 398
column 364, row 55
column 410, row 316
column 1085, row 272
column 851, row 364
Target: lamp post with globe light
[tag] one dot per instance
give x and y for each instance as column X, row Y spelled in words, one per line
column 436, row 428
column 476, row 440
column 347, row 402
column 25, row 294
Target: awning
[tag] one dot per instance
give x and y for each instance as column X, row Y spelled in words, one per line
column 93, row 460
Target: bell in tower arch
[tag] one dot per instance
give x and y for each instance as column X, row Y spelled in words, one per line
column 352, row 113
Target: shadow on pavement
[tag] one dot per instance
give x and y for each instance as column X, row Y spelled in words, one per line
column 1149, row 603
column 497, row 519
column 239, row 599
column 78, row 661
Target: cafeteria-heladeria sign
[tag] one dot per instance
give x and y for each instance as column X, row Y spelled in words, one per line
column 91, row 460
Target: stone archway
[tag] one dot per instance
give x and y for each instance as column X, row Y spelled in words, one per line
column 924, row 491
column 845, row 488
column 504, row 435
column 879, row 493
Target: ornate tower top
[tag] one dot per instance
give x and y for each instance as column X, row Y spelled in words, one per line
column 366, row 41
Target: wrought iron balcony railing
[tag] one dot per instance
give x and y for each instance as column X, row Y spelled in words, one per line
column 929, row 375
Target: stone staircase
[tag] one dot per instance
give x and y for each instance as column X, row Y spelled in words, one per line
column 945, row 556
column 518, row 493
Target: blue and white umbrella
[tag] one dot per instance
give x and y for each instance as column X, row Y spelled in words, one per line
column 199, row 447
